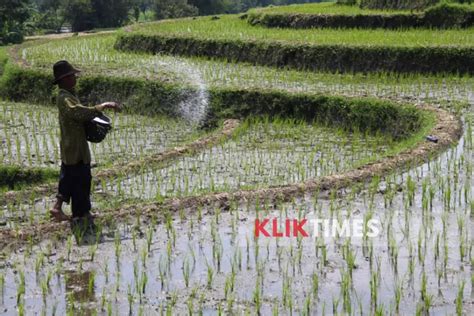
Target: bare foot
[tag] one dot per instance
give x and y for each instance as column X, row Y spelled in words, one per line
column 59, row 215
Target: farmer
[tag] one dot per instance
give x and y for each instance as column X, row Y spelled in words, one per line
column 75, row 176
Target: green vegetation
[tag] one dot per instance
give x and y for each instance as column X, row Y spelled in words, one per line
column 232, row 28
column 3, row 58
column 16, row 177
column 176, row 236
column 13, row 15
column 159, row 97
column 424, row 51
column 27, row 17
column 263, row 152
column 333, row 15
column 332, row 58
column 327, row 8
column 365, row 114
column 31, row 134
column 95, row 56
column 447, row 15
column 404, row 4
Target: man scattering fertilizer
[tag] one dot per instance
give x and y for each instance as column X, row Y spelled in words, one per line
column 75, row 176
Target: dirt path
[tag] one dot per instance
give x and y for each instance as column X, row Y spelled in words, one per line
column 64, row 35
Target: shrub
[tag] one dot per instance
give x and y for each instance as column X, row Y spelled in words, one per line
column 446, row 15
column 335, row 58
column 13, row 37
column 347, row 2
column 19, row 84
column 13, row 176
column 3, row 58
column 386, row 21
column 397, row 4
column 151, row 97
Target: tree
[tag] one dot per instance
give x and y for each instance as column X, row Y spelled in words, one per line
column 89, row 14
column 80, row 14
column 13, row 14
column 141, row 6
column 49, row 14
column 111, row 13
column 207, row 7
column 166, row 9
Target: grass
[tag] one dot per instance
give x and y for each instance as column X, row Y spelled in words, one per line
column 16, row 178
column 231, row 28
column 325, row 8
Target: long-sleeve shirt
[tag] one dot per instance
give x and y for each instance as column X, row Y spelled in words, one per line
column 72, row 116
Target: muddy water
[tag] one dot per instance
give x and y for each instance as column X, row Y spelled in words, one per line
column 425, row 231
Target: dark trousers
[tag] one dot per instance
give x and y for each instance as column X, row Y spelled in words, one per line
column 75, row 187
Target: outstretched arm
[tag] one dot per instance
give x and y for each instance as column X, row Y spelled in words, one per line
column 81, row 113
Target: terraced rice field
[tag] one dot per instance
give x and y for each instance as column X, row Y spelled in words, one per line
column 332, row 8
column 261, row 153
column 208, row 260
column 30, row 134
column 95, row 56
column 230, row 27
column 177, row 205
column 326, row 8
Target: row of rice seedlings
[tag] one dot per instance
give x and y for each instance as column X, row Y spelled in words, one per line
column 415, row 235
column 419, row 259
column 96, row 53
column 231, row 27
column 200, row 251
column 31, row 136
column 256, row 297
column 260, row 154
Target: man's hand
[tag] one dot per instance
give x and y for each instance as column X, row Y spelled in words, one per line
column 110, row 105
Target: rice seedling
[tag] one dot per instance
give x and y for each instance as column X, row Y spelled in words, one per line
column 117, row 243
column 398, row 295
column 2, row 284
column 21, row 288
column 186, row 272
column 346, row 281
column 93, row 250
column 459, row 299
column 210, row 276
column 91, row 283
column 130, row 299
column 257, row 296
